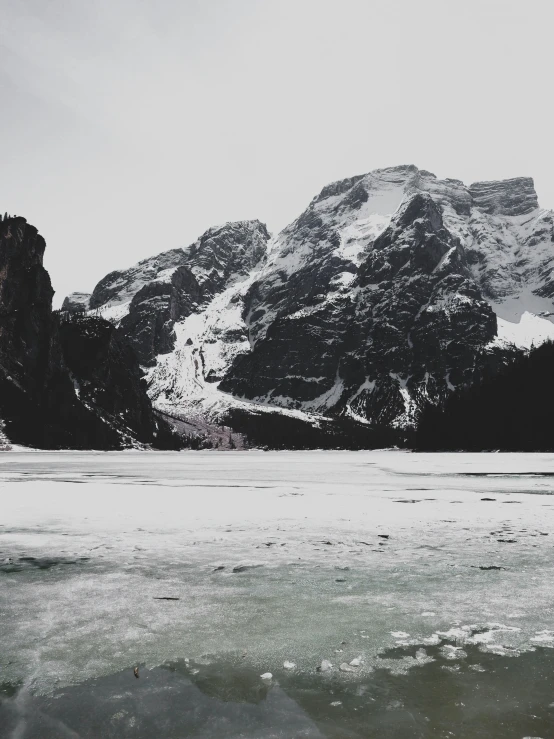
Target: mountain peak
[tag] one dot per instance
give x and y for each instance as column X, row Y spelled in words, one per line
column 252, row 225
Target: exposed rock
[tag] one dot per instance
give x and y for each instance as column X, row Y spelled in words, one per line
column 68, row 385
column 514, row 197
column 107, row 378
column 147, row 299
column 37, row 397
column 76, row 302
column 411, row 323
column 154, row 310
column 120, row 286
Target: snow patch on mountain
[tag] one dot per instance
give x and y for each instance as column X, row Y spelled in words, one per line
column 186, row 381
column 113, row 312
column 351, row 407
column 327, row 399
column 206, row 343
column 408, row 417
column 530, row 331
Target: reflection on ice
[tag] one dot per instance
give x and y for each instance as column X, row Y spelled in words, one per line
column 450, row 693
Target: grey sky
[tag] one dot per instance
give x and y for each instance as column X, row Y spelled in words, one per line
column 130, row 126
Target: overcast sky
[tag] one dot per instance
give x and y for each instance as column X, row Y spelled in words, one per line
column 128, row 127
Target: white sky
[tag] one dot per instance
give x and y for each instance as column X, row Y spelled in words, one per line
column 128, row 127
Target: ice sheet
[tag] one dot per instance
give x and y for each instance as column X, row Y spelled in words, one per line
column 275, row 556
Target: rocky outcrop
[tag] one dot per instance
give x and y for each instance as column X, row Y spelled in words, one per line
column 64, row 382
column 76, row 303
column 515, row 197
column 121, row 285
column 154, row 309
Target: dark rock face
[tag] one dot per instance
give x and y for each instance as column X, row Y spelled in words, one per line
column 514, row 197
column 154, row 310
column 297, row 359
column 106, row 376
column 35, row 390
column 74, row 385
column 411, row 323
column 423, row 319
column 25, row 299
column 229, row 251
column 123, row 284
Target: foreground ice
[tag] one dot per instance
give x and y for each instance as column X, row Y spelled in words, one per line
column 108, row 560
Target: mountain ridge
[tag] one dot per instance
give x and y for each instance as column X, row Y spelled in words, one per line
column 391, row 289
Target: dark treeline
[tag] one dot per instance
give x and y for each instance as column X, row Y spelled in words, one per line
column 276, row 431
column 512, row 410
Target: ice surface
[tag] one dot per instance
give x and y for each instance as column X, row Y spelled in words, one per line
column 108, row 560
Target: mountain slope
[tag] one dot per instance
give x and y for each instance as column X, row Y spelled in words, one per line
column 392, row 288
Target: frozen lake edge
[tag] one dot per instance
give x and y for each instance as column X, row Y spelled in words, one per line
column 114, row 559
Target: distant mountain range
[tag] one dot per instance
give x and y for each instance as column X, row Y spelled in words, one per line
column 391, row 291
column 388, row 292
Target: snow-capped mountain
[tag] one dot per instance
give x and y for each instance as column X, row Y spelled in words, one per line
column 390, row 288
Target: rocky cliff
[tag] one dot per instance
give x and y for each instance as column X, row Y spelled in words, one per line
column 63, row 384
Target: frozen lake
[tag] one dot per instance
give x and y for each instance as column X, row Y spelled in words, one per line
column 432, row 573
